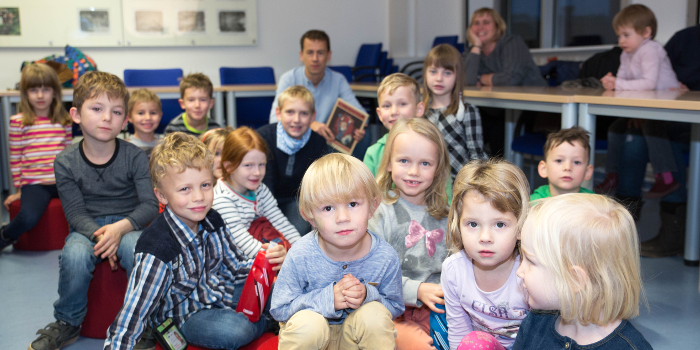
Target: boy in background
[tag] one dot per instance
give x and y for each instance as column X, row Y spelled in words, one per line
column 566, row 163
column 105, row 190
column 144, row 114
column 342, row 287
column 197, row 100
column 293, row 147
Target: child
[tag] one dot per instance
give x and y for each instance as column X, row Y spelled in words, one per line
column 187, row 266
column 38, row 133
column 342, row 285
column 144, row 114
column 644, row 65
column 104, row 186
column 484, row 298
column 399, row 97
column 214, row 140
column 413, row 220
column 565, row 164
column 244, row 202
column 197, row 100
column 293, row 147
column 458, row 121
column 581, row 270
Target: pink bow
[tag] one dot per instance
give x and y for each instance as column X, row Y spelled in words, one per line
column 416, row 232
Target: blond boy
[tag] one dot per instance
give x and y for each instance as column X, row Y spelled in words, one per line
column 566, row 163
column 343, row 286
column 144, row 113
column 197, row 99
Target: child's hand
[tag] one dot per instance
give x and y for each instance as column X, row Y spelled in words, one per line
column 346, row 282
column 608, row 81
column 323, row 130
column 108, row 238
column 359, row 135
column 431, row 294
column 275, row 255
column 355, row 295
column 11, row 198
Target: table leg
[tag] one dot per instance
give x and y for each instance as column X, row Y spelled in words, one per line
column 219, row 107
column 692, row 224
column 587, row 121
column 231, row 109
column 568, row 115
column 511, row 120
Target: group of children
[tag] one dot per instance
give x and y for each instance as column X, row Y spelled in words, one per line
column 367, row 253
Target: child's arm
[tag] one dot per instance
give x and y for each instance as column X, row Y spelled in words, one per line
column 147, row 284
column 458, row 321
column 651, row 65
column 236, row 264
column 267, row 206
column 147, row 210
column 69, row 135
column 228, row 210
column 388, row 291
column 472, row 127
column 16, row 149
column 72, row 200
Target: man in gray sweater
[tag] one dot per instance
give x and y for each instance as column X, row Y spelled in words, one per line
column 105, row 189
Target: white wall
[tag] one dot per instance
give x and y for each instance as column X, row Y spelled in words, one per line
column 671, row 16
column 280, row 26
column 438, row 18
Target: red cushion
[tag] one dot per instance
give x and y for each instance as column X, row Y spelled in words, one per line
column 267, row 341
column 105, row 298
column 49, row 233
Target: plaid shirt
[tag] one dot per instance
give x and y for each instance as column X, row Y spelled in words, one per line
column 462, row 133
column 175, row 275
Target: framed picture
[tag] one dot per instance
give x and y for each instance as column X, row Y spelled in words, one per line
column 94, row 21
column 344, row 120
column 9, row 21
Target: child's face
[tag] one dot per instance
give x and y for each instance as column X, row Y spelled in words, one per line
column 629, row 40
column 537, row 279
column 441, row 81
column 296, row 117
column 217, row 148
column 145, row 116
column 412, row 165
column 100, row 118
column 401, row 104
column 249, row 173
column 196, row 103
column 40, row 99
column 566, row 167
column 488, row 235
column 189, row 194
column 342, row 225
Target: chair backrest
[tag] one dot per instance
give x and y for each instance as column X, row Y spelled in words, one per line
column 450, row 39
column 246, row 75
column 250, row 111
column 368, row 56
column 344, row 70
column 460, row 47
column 157, row 77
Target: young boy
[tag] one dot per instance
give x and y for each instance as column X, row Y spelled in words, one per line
column 144, row 114
column 398, row 97
column 104, row 186
column 197, row 100
column 294, row 147
column 187, row 266
column 342, row 285
column 565, row 164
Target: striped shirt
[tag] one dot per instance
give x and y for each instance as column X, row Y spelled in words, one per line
column 180, row 124
column 175, row 275
column 239, row 212
column 33, row 149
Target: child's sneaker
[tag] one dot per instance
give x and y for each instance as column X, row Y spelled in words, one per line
column 661, row 189
column 55, row 336
column 4, row 242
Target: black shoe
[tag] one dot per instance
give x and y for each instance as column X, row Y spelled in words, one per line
column 55, row 336
column 4, row 242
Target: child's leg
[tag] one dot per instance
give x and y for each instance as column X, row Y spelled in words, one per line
column 413, row 329
column 305, row 330
column 660, row 152
column 125, row 253
column 616, row 141
column 76, row 265
column 34, row 200
column 221, row 329
column 479, row 340
column 369, row 327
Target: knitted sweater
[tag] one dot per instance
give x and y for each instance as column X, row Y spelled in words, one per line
column 510, row 62
column 180, row 124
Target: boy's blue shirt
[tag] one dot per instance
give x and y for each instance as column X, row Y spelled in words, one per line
column 308, row 275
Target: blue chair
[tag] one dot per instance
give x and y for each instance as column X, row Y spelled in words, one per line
column 344, row 70
column 417, row 73
column 157, row 77
column 450, row 39
column 367, row 64
column 250, row 111
column 460, row 47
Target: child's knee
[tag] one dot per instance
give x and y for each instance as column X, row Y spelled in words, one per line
column 78, row 252
column 374, row 316
column 479, row 340
column 305, row 330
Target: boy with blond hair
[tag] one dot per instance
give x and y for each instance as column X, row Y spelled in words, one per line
column 293, row 147
column 342, row 287
column 104, row 186
column 398, row 96
column 187, row 266
column 144, row 113
column 197, row 99
column 566, row 163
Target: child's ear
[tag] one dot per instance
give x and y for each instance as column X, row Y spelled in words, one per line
column 420, row 109
column 647, row 32
column 278, row 113
column 161, row 198
column 182, row 103
column 227, row 165
column 542, row 169
column 212, row 102
column 126, row 121
column 580, row 278
column 374, row 205
column 589, row 172
column 313, row 117
column 75, row 115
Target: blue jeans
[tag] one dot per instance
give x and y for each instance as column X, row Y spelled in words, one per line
column 34, row 200
column 221, row 329
column 76, row 265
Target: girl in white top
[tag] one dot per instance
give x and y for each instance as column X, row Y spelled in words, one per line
column 241, row 198
column 484, row 299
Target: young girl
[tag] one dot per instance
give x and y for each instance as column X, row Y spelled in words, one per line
column 244, row 202
column 484, row 299
column 580, row 262
column 38, row 133
column 413, row 220
column 214, row 140
column 458, row 121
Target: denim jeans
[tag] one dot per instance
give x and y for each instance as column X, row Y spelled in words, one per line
column 221, row 329
column 34, row 200
column 290, row 208
column 76, row 265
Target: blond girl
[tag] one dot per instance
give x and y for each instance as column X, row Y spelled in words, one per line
column 214, row 140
